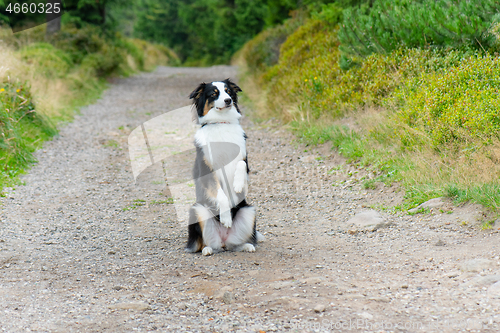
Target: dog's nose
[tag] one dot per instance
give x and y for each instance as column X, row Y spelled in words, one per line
column 227, row 101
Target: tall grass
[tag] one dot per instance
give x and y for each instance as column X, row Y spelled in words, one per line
column 43, row 81
column 23, row 129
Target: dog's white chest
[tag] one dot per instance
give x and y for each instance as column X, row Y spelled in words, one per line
column 220, row 142
column 223, row 147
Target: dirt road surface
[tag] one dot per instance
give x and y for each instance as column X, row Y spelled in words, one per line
column 83, row 248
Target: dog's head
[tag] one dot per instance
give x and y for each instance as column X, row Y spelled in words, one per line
column 216, row 101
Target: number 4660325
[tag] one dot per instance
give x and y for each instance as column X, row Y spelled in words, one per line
column 33, row 8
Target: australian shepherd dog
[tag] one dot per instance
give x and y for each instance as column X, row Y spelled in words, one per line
column 221, row 218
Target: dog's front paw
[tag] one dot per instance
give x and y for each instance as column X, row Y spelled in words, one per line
column 207, row 250
column 226, row 220
column 240, row 176
column 239, row 185
column 248, row 248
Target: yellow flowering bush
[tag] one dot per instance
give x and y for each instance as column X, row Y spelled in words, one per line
column 309, row 74
column 432, row 119
column 459, row 104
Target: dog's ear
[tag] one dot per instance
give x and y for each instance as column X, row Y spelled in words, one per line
column 233, row 86
column 234, row 90
column 196, row 94
column 198, row 98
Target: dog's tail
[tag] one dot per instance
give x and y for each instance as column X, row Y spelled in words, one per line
column 260, row 237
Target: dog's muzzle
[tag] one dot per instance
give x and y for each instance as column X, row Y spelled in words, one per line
column 227, row 103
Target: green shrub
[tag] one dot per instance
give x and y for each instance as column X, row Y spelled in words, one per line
column 310, row 76
column 299, row 74
column 78, row 43
column 133, row 50
column 104, row 63
column 426, row 117
column 263, row 51
column 330, row 13
column 46, row 59
column 459, row 105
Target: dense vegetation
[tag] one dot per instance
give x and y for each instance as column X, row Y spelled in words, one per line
column 210, row 31
column 383, row 26
column 418, row 79
column 44, row 78
column 23, row 129
column 200, row 30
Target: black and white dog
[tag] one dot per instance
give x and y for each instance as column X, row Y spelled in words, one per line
column 221, row 218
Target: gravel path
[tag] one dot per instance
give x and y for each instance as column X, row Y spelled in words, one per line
column 85, row 249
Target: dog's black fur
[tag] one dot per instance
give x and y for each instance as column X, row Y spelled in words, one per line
column 218, row 113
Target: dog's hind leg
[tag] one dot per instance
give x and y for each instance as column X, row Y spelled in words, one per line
column 243, row 235
column 212, row 240
column 247, row 247
column 195, row 231
column 202, row 231
column 211, row 237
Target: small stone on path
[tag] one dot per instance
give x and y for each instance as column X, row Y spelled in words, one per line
column 319, row 308
column 433, row 203
column 476, row 265
column 369, row 220
column 228, row 297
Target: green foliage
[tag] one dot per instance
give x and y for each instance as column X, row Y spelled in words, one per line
column 89, row 49
column 203, row 31
column 159, row 21
column 22, row 129
column 330, row 13
column 46, row 59
column 79, row 42
column 20, row 19
column 298, row 73
column 386, row 25
column 459, row 105
column 104, row 63
column 65, row 71
column 349, row 143
column 312, row 74
column 263, row 51
column 226, row 27
column 484, row 194
column 279, row 11
column 211, row 31
column 426, row 117
column 327, row 10
column 3, row 18
column 77, row 12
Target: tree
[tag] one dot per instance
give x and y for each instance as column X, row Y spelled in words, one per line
column 211, row 30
